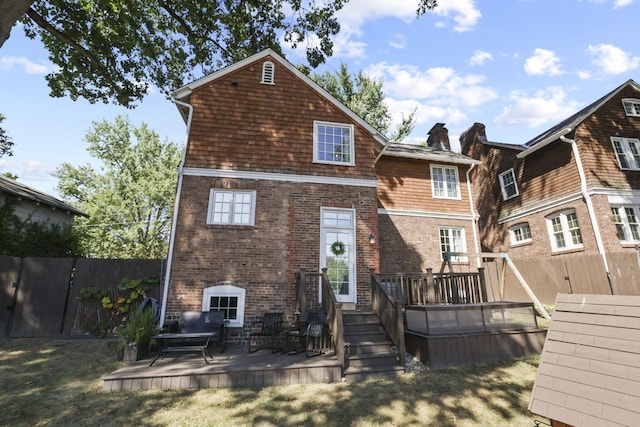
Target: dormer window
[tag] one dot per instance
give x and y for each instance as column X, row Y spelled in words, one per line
column 508, row 184
column 268, row 73
column 631, row 107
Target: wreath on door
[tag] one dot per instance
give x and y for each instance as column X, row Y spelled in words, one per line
column 337, row 248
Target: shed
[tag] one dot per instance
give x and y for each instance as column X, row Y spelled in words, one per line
column 589, row 372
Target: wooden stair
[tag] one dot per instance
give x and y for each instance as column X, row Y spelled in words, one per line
column 369, row 352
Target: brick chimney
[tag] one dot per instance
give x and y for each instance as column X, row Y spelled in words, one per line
column 439, row 137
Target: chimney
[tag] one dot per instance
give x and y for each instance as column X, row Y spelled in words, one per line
column 439, row 137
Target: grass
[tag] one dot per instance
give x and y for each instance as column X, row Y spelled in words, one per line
column 46, row 382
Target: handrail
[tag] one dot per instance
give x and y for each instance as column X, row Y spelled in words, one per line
column 389, row 312
column 333, row 310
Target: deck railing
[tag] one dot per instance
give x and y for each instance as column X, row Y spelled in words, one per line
column 435, row 288
column 307, row 300
column 389, row 311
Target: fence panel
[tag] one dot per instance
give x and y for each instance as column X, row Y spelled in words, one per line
column 42, row 293
column 9, row 273
column 587, row 275
column 625, row 273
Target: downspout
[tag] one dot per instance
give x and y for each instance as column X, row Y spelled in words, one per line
column 474, row 219
column 176, row 206
column 590, row 209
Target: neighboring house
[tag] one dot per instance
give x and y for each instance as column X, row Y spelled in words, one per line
column 33, row 205
column 278, row 176
column 574, row 189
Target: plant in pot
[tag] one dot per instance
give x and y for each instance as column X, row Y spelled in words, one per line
column 135, row 335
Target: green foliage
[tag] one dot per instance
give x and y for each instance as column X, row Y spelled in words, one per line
column 24, row 238
column 364, row 96
column 130, row 199
column 138, row 329
column 5, row 142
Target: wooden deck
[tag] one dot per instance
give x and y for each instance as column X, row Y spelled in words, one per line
column 236, row 367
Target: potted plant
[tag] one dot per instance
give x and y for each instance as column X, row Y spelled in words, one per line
column 135, row 335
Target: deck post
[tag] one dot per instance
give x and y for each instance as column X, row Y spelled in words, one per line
column 431, row 288
column 301, row 276
column 483, row 284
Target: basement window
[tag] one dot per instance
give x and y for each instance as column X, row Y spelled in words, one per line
column 228, row 299
column 520, row 233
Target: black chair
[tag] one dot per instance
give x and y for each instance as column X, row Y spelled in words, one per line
column 315, row 332
column 270, row 327
column 310, row 327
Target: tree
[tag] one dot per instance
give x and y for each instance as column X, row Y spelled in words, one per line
column 130, row 199
column 5, row 142
column 114, row 50
column 364, row 96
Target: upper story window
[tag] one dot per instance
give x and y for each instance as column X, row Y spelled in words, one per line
column 232, row 207
column 444, row 182
column 508, row 184
column 268, row 71
column 626, row 220
column 627, row 151
column 520, row 233
column 452, row 240
column 333, row 143
column 631, row 106
column 564, row 230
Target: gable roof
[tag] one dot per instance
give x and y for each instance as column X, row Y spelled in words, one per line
column 184, row 92
column 412, row 151
column 589, row 372
column 16, row 189
column 569, row 124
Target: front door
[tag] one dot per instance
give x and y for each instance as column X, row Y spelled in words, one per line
column 337, row 251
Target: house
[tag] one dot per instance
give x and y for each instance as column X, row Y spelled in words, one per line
column 574, row 189
column 33, row 205
column 278, row 176
column 589, row 371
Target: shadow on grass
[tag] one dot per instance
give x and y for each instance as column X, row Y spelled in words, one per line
column 45, row 382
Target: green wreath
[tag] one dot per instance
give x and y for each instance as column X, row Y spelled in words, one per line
column 337, row 248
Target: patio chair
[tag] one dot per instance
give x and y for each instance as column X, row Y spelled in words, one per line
column 269, row 328
column 307, row 331
column 315, row 331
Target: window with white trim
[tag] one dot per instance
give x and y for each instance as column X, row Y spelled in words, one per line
column 631, row 106
column 444, row 182
column 228, row 299
column 508, row 184
column 232, row 207
column 626, row 220
column 564, row 230
column 268, row 73
column 333, row 143
column 627, row 151
column 520, row 233
column 452, row 240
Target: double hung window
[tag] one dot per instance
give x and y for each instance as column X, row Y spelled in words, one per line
column 233, row 207
column 564, row 230
column 626, row 220
column 444, row 182
column 508, row 184
column 627, row 151
column 452, row 240
column 520, row 233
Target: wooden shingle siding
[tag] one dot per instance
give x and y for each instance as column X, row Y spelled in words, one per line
column 267, row 128
column 589, row 373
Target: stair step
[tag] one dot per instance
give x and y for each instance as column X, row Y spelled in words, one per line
column 363, row 328
column 388, row 358
column 368, row 348
column 359, row 318
column 370, row 373
column 365, row 337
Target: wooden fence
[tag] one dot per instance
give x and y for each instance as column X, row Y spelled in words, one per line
column 38, row 296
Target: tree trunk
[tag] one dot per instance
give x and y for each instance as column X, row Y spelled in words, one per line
column 10, row 12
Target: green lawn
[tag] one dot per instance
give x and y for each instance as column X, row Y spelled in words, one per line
column 57, row 383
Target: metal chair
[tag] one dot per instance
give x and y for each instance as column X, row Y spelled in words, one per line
column 315, row 330
column 269, row 327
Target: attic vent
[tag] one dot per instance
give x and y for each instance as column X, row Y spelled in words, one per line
column 267, row 73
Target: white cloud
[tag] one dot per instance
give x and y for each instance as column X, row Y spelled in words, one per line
column 611, row 59
column 479, row 57
column 464, row 12
column 399, row 41
column 543, row 106
column 8, row 62
column 622, row 3
column 584, row 75
column 543, row 62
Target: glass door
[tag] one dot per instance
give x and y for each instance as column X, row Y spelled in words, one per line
column 337, row 251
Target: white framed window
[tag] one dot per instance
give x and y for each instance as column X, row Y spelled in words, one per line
column 444, row 182
column 627, row 151
column 626, row 220
column 520, row 233
column 228, row 299
column 232, row 207
column 631, row 106
column 564, row 230
column 452, row 240
column 333, row 143
column 508, row 184
column 268, row 73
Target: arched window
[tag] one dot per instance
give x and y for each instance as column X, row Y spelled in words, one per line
column 228, row 299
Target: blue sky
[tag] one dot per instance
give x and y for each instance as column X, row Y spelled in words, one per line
column 518, row 66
